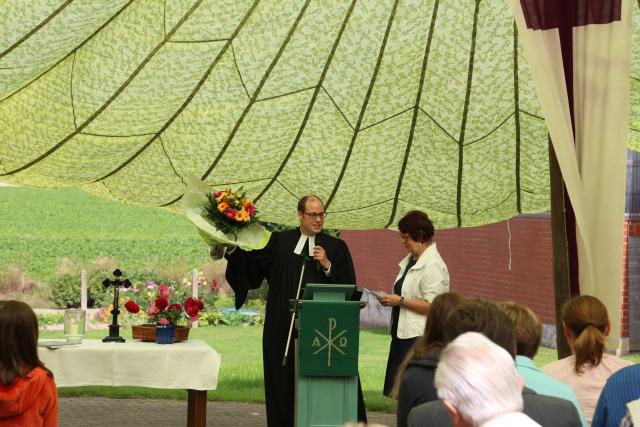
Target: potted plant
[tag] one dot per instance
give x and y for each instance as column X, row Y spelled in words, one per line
column 167, row 317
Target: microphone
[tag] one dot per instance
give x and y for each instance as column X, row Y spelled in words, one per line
column 305, row 257
column 317, row 243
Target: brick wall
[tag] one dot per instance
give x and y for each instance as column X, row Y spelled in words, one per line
column 624, row 297
column 508, row 260
column 631, row 284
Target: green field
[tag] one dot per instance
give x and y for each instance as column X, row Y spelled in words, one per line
column 40, row 227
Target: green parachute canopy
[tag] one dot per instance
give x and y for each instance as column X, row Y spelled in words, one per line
column 377, row 106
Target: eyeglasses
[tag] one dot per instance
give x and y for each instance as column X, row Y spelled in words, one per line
column 316, row 215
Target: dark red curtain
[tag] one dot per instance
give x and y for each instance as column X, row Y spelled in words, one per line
column 547, row 14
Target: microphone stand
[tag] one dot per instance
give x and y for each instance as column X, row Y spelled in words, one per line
column 294, row 310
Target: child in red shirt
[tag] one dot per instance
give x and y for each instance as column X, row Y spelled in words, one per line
column 28, row 395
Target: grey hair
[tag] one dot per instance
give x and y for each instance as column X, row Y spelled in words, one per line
column 478, row 378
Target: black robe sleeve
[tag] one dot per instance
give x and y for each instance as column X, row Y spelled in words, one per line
column 344, row 272
column 247, row 269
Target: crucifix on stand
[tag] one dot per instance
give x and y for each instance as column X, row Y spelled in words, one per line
column 117, row 283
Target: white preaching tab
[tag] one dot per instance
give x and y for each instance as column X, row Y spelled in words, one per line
column 301, row 242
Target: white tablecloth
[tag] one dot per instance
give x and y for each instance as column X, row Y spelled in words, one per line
column 190, row 364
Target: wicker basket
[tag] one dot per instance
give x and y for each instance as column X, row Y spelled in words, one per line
column 147, row 332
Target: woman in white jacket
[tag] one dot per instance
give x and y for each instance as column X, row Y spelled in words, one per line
column 423, row 276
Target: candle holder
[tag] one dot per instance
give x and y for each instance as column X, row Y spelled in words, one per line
column 74, row 325
column 117, row 283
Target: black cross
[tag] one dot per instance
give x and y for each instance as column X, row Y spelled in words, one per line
column 117, row 283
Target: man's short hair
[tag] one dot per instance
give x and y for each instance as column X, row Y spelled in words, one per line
column 478, row 378
column 302, row 203
column 527, row 328
column 486, row 317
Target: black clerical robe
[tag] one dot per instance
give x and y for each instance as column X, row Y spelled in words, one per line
column 281, row 267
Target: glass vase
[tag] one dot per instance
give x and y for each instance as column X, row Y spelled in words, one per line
column 165, row 334
column 74, row 325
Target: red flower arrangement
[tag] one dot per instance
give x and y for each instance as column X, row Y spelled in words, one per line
column 164, row 312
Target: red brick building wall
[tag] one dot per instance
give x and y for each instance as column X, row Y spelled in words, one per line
column 624, row 300
column 510, row 260
column 629, row 270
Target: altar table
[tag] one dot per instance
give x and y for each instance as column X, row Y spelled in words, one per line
column 190, row 365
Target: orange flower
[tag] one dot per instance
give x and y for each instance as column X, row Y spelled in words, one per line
column 220, row 195
column 242, row 215
column 222, row 206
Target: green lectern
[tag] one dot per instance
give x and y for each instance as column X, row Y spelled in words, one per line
column 327, row 356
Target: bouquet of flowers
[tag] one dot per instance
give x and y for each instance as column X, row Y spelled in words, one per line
column 230, row 210
column 223, row 217
column 163, row 311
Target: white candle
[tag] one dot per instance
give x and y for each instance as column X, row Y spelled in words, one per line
column 74, row 330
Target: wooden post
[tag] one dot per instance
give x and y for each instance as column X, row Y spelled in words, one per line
column 196, row 408
column 561, row 279
column 194, row 290
column 83, row 289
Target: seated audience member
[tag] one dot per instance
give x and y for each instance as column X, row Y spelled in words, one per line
column 528, row 331
column 485, row 317
column 632, row 416
column 478, row 383
column 585, row 324
column 28, row 395
column 621, row 388
column 414, row 384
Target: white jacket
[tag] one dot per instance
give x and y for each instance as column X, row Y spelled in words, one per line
column 427, row 279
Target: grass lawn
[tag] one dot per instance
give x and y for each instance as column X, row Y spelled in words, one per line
column 240, row 376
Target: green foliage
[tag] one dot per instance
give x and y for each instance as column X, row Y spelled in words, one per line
column 242, row 319
column 259, row 294
column 279, row 227
column 97, row 294
column 217, row 318
column 65, row 291
column 45, row 319
column 212, row 318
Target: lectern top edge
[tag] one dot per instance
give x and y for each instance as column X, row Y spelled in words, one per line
column 312, row 289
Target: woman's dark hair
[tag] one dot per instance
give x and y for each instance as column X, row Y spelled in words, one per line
column 417, row 225
column 587, row 318
column 18, row 341
column 433, row 337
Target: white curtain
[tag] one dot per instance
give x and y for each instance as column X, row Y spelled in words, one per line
column 594, row 163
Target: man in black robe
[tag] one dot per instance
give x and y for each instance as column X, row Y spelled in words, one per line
column 327, row 261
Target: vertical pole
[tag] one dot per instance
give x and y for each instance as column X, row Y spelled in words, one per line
column 560, row 270
column 563, row 224
column 83, row 289
column 194, row 290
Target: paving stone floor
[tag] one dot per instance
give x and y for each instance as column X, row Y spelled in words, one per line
column 101, row 411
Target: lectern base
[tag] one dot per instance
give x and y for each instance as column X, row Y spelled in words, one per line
column 327, row 401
